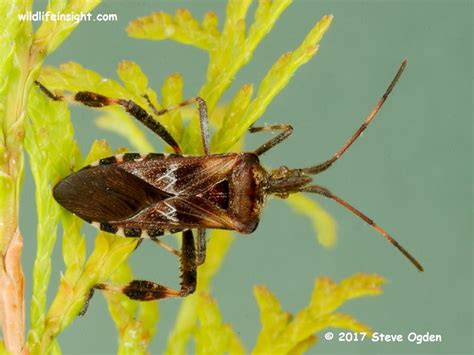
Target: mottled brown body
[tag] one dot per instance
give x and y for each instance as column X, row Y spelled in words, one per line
column 151, row 194
column 148, row 195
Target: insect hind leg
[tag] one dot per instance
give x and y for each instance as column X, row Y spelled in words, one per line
column 143, row 290
column 201, row 246
column 166, row 247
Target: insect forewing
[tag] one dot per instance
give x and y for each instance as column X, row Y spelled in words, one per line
column 105, row 193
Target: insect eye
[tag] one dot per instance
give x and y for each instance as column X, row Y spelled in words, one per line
column 280, row 173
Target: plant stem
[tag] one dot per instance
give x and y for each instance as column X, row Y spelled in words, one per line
column 16, row 85
column 12, row 304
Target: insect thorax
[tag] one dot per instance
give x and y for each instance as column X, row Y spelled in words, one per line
column 246, row 192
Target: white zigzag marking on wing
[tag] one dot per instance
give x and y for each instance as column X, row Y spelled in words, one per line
column 170, row 174
column 170, row 214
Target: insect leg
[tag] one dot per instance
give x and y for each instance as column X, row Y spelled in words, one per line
column 325, row 192
column 167, row 247
column 83, row 311
column 143, row 290
column 150, row 104
column 201, row 246
column 203, row 116
column 286, row 128
column 325, row 165
column 91, row 99
column 140, row 241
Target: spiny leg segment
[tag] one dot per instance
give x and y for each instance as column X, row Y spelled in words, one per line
column 143, row 290
column 200, row 257
column 91, row 99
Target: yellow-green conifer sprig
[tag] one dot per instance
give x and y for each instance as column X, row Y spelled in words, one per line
column 219, row 243
column 234, row 50
column 183, row 27
column 45, row 132
column 135, row 321
column 323, row 224
column 73, row 77
column 48, row 144
column 51, row 34
column 303, row 345
column 320, row 313
column 132, row 76
column 213, row 336
column 210, row 24
column 237, row 107
column 272, row 318
column 73, row 245
column 172, row 93
column 108, row 254
column 275, row 80
column 120, row 123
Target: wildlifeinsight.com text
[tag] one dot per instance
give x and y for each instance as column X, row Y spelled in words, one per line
column 40, row 16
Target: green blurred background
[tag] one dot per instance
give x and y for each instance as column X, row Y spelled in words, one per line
column 411, row 171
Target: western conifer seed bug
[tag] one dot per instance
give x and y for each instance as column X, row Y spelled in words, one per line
column 148, row 195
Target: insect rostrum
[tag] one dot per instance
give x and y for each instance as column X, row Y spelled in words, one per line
column 148, row 195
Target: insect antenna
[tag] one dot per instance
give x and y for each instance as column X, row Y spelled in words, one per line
column 325, row 165
column 325, row 192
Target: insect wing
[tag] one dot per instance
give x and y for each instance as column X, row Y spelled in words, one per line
column 105, row 193
column 182, row 175
column 182, row 212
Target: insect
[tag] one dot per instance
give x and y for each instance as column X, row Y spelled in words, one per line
column 148, row 195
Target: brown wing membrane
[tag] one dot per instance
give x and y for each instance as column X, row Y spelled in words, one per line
column 182, row 175
column 105, row 193
column 188, row 212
